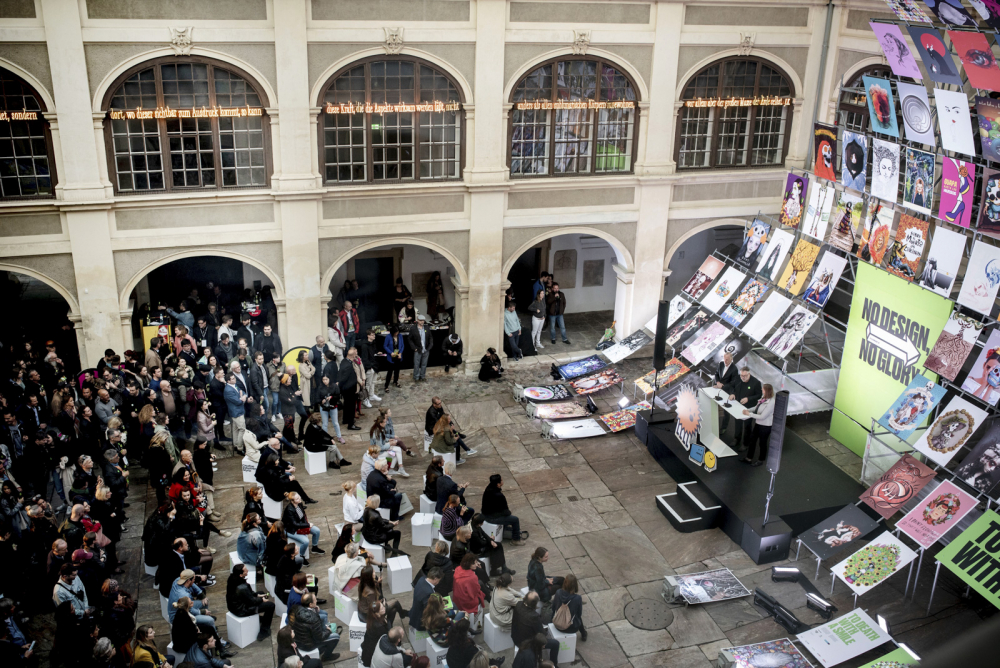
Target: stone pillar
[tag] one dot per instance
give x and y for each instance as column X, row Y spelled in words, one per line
column 623, row 300
column 651, row 233
column 657, row 154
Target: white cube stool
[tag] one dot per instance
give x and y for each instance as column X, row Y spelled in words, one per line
column 436, row 523
column 400, row 575
column 421, row 523
column 344, row 606
column 279, row 607
column 339, row 528
column 486, row 564
column 150, row 570
column 356, row 629
column 269, row 581
column 567, row 644
column 443, row 539
column 418, row 640
column 304, row 553
column 361, row 495
column 447, row 456
column 426, row 505
column 180, row 657
column 164, row 606
column 494, row 531
column 249, row 469
column 242, row 631
column 234, row 558
column 284, row 621
column 377, row 551
column 312, row 654
column 315, row 462
column 495, row 637
column 384, row 512
column 272, row 508
column 437, row 654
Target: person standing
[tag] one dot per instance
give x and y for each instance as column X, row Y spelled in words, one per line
column 153, row 360
column 724, row 379
column 268, row 343
column 348, row 381
column 369, row 359
column 763, row 416
column 556, row 307
column 512, row 329
column 349, row 324
column 393, row 346
column 537, row 311
column 235, row 400
column 420, row 341
column 747, row 391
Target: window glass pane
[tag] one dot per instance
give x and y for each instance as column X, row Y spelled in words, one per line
column 139, row 90
column 768, row 136
column 24, row 160
column 535, row 86
column 237, row 138
column 696, row 133
column 137, row 155
column 576, row 80
column 192, row 157
column 529, row 153
column 572, row 140
column 734, row 130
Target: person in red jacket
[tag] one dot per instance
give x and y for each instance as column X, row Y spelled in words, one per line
column 349, row 324
column 467, row 595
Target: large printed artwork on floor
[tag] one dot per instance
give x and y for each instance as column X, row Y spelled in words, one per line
column 899, row 484
column 843, row 638
column 673, row 370
column 874, row 563
column 771, row 654
column 710, row 586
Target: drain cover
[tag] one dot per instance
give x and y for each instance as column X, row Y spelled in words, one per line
column 649, row 614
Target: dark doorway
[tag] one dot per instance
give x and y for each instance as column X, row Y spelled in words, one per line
column 48, row 321
column 375, row 281
column 522, row 276
column 174, row 281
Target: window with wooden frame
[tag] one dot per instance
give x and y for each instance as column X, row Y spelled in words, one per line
column 208, row 129
column 573, row 116
column 855, row 105
column 751, row 135
column 364, row 136
column 27, row 169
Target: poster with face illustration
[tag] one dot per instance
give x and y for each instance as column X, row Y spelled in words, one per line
column 881, row 106
column 943, row 261
column 977, row 58
column 898, row 485
column 744, row 303
column 958, row 178
column 686, row 328
column 983, row 381
column 845, row 220
column 878, row 243
column 678, row 307
column 896, row 51
column 908, row 248
column 773, row 257
column 937, row 514
column 988, row 111
column 951, row 12
column 818, row 213
column 987, row 11
column 797, row 271
column 955, row 121
column 794, row 201
column 767, row 314
column 754, row 244
column 954, row 426
column 791, row 332
column 918, row 180
column 702, row 278
column 702, row 346
column 982, row 278
column 838, row 531
column 981, row 468
column 852, row 168
column 915, row 108
column 953, row 346
column 940, row 66
column 825, row 278
column 909, row 10
column 874, row 563
column 723, row 290
column 912, row 407
column 989, row 207
column 885, row 170
column 825, row 145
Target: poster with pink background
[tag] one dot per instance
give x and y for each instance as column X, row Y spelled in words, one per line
column 897, row 53
column 936, row 514
column 958, row 180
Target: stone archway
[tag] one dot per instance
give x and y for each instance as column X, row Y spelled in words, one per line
column 74, row 306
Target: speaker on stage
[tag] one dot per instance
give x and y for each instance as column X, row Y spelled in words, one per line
column 660, row 342
column 777, row 438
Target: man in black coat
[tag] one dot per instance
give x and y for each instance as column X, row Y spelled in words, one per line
column 249, row 332
column 725, row 376
column 747, row 391
column 527, row 623
column 268, row 343
column 259, row 379
column 349, row 388
column 204, row 335
column 434, row 414
column 446, row 487
column 176, row 560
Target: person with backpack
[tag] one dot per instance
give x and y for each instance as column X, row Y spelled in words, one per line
column 568, row 606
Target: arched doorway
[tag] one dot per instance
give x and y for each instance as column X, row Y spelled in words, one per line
column 52, row 317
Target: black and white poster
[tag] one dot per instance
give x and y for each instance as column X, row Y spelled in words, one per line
column 835, row 532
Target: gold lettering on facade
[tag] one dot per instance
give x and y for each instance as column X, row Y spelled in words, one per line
column 576, row 104
column 758, row 101
column 199, row 112
column 375, row 108
column 23, row 115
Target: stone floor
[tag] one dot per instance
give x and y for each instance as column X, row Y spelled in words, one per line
column 591, row 502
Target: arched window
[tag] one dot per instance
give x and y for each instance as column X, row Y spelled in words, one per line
column 186, row 123
column 26, row 169
column 737, row 113
column 572, row 115
column 391, row 119
column 855, row 105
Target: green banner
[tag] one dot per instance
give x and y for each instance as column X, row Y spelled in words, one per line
column 892, row 327
column 975, row 556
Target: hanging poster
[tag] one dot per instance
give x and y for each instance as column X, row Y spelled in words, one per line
column 842, row 528
column 885, row 170
column 546, row 393
column 908, row 248
column 940, row 66
column 766, row 316
column 773, row 257
column 918, row 180
column 686, row 328
column 627, row 346
column 816, row 196
column 916, row 110
column 977, row 58
column 899, row 657
column 988, row 111
column 878, row 231
column 788, row 335
column 957, row 180
column 966, row 555
column 987, row 11
column 846, row 220
column 983, row 381
column 954, row 345
column 908, row 10
column 702, row 278
column 703, row 346
column 795, row 274
column 825, row 143
column 819, row 212
column 624, row 418
column 897, row 53
column 844, row 638
column 723, row 290
column 937, row 514
column 898, row 485
column 743, row 305
column 953, row 427
column 912, row 407
column 735, row 347
column 678, row 307
column 710, row 586
column 581, row 367
column 982, row 278
column 874, row 563
column 951, row 12
column 989, row 207
column 852, row 169
column 955, row 121
column 754, row 243
column 825, row 278
column 673, row 370
column 597, row 382
column 793, row 202
column 881, row 106
column 981, row 467
column 943, row 260
column 560, row 410
column 778, row 653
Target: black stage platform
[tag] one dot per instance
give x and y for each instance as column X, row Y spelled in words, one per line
column 809, row 487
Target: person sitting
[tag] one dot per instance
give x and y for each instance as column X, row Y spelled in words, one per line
column 390, row 653
column 379, row 531
column 422, row 593
column 437, row 620
column 451, row 517
column 569, row 596
column 185, row 628
column 461, row 648
column 288, row 654
column 346, row 537
column 298, row 526
column 185, row 587
column 318, row 439
column 388, row 446
column 370, row 591
column 376, row 626
column 527, row 623
column 437, row 557
column 311, row 633
column 537, row 581
column 353, row 507
column 531, row 651
column 144, row 649
column 368, row 465
column 452, row 348
column 347, row 570
column 496, row 510
column 243, row 601
column 490, row 367
column 446, row 436
column 434, row 471
column 468, row 595
column 384, row 487
column 503, row 601
column 253, row 503
column 288, row 566
column 300, row 587
column 446, row 487
column 274, row 548
column 484, row 546
column 251, row 543
column 202, row 655
column 277, row 482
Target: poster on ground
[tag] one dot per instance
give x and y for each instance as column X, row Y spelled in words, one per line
column 766, row 316
column 773, row 653
column 624, row 418
column 723, row 290
column 710, row 586
column 837, row 531
column 981, row 468
column 597, row 382
column 581, row 367
column 843, row 638
column 875, row 563
column 975, row 548
column 546, row 393
column 702, row 278
column 912, row 407
column 950, row 351
column 937, row 514
column 894, row 659
column 627, row 346
column 560, row 410
column 899, row 484
column 983, row 381
column 951, row 429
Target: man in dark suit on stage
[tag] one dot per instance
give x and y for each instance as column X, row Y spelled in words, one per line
column 747, row 391
column 725, row 376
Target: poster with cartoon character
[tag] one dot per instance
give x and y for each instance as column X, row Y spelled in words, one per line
column 954, row 426
column 988, row 111
column 845, row 220
column 982, row 278
column 989, row 207
column 791, row 332
column 951, row 12
column 838, row 531
column 937, row 59
column 773, row 257
column 987, row 11
column 953, row 346
column 874, row 563
column 981, row 468
column 678, row 307
column 797, row 270
column 885, row 170
column 825, row 278
column 724, row 289
column 908, row 248
column 825, row 144
column 916, row 110
column 957, row 180
column 702, row 278
column 793, row 202
column 983, row 381
column 940, row 511
column 897, row 485
column 955, row 121
column 881, row 106
column 896, row 51
column 744, row 303
column 754, row 243
column 855, row 158
column 918, row 180
column 912, row 407
column 943, row 260
column 909, row 10
column 818, row 212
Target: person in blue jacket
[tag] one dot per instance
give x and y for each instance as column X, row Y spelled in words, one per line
column 393, row 346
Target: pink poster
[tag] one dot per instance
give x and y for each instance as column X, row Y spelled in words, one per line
column 897, row 53
column 957, row 181
column 936, row 514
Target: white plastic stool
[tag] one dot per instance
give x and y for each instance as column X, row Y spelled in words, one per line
column 443, row 539
column 426, row 505
column 356, row 629
column 279, row 607
column 284, row 621
column 400, row 575
column 437, row 654
column 495, row 637
column 384, row 512
column 150, row 570
column 272, row 508
column 486, row 565
column 180, row 657
column 423, row 534
column 494, row 531
column 427, row 442
column 436, row 522
column 418, row 640
column 360, row 494
column 344, row 606
column 269, row 582
column 164, row 606
column 377, row 551
column 249, row 469
column 567, row 644
column 447, row 456
column 315, row 462
column 242, row 631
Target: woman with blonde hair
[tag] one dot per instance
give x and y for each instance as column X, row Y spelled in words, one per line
column 378, row 530
column 446, row 437
column 353, row 508
column 297, row 524
column 347, row 570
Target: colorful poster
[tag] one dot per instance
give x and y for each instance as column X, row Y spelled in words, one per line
column 791, row 332
column 918, row 180
column 846, row 219
column 937, row 514
column 560, row 411
column 844, row 638
column 818, row 213
column 940, row 66
column 896, row 658
column 597, row 382
column 908, row 248
column 686, row 328
column 735, row 347
column 897, row 53
column 955, row 121
column 678, row 307
column 983, row 381
column 898, row 485
column 916, row 110
column 881, row 106
column 989, row 207
column 908, row 10
column 982, row 278
column 582, row 367
column 703, row 345
column 988, row 111
column 627, row 346
column 754, row 243
column 825, row 144
column 977, row 58
column 795, row 274
column 890, row 330
column 953, row 427
column 987, row 11
column 702, row 278
column 951, row 12
column 943, row 260
column 547, row 393
column 854, row 160
column 625, row 418
column 724, row 289
column 954, row 345
column 885, row 170
column 840, row 529
column 981, row 467
column 793, row 202
column 767, row 315
column 773, row 257
column 957, row 181
column 874, row 563
column 710, row 586
column 877, row 233
column 673, row 370
column 976, row 546
column 912, row 407
column 688, row 416
column 743, row 305
column 778, row 653
column 825, row 278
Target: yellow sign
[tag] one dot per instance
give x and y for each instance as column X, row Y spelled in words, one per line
column 577, row 104
column 167, row 112
column 375, row 108
column 23, row 115
column 772, row 101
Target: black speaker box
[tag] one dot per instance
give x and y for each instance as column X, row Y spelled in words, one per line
column 660, row 342
column 766, row 544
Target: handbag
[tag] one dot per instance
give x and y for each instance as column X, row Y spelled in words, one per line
column 304, row 531
column 563, row 618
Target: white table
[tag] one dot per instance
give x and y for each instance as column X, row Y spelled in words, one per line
column 712, row 401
